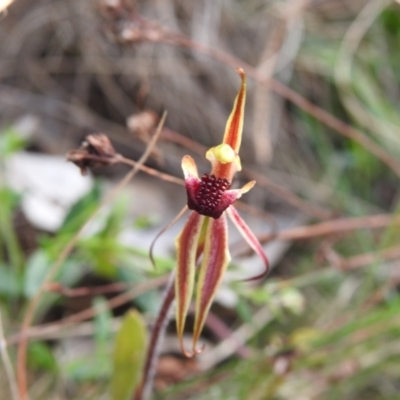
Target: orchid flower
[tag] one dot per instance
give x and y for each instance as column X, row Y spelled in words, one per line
column 206, row 232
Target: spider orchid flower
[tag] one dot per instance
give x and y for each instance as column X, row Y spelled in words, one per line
column 205, row 232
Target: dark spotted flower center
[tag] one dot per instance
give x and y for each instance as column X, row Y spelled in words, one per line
column 209, row 195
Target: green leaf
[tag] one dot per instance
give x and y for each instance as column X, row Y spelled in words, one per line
column 9, row 200
column 39, row 264
column 103, row 254
column 8, row 237
column 40, row 357
column 81, row 211
column 9, row 285
column 129, row 356
column 244, row 310
column 11, row 142
column 116, row 217
column 37, row 267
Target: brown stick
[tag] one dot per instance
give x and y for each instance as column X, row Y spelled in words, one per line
column 90, row 312
column 360, row 260
column 332, row 227
column 86, row 290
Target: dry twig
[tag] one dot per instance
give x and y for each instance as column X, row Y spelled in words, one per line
column 119, row 300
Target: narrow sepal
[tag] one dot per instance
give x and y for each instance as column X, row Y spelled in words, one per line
column 247, row 187
column 234, row 125
column 215, row 261
column 250, row 238
column 186, row 244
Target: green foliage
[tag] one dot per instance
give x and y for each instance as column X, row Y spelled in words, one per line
column 40, row 357
column 145, row 221
column 80, row 211
column 9, row 284
column 11, row 142
column 390, row 18
column 129, row 355
column 9, row 202
column 36, row 269
column 103, row 253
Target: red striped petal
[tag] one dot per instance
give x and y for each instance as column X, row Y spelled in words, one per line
column 250, row 238
column 187, row 245
column 213, row 266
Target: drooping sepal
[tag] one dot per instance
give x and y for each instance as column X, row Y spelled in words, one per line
column 215, row 261
column 187, row 253
column 250, row 238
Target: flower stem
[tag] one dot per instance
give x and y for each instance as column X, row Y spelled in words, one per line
column 157, row 335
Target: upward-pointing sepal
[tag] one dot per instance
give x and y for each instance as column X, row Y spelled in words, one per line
column 234, row 125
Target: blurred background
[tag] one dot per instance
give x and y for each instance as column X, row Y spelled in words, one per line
column 321, row 138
